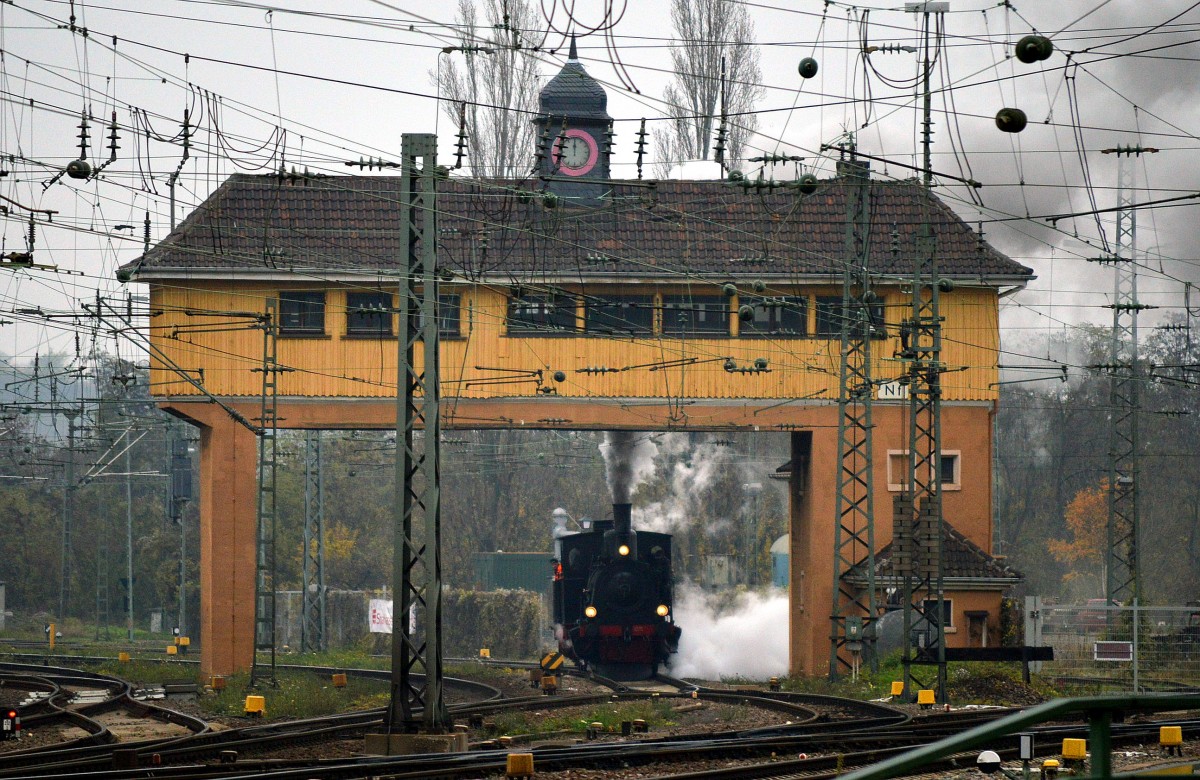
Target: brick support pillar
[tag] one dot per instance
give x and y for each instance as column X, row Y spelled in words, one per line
column 228, row 518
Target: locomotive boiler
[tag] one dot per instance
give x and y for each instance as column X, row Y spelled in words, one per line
column 613, row 610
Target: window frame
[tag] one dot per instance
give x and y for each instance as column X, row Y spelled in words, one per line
column 594, row 314
column 699, row 307
column 551, row 310
column 385, row 329
column 897, row 483
column 947, row 612
column 774, row 307
column 830, row 307
column 304, row 298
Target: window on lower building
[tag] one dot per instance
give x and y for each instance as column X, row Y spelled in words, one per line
column 930, row 608
column 541, row 314
column 369, row 314
column 780, row 316
column 830, row 316
column 301, row 313
column 688, row 315
column 619, row 315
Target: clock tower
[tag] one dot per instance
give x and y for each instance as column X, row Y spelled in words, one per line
column 572, row 128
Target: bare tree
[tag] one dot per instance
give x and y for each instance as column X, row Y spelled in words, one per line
column 496, row 86
column 709, row 31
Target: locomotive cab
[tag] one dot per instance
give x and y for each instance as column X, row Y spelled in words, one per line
column 613, row 598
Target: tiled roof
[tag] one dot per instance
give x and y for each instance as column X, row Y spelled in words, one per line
column 574, row 93
column 961, row 558
column 709, row 229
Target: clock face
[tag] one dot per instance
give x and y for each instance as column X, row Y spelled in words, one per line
column 575, row 152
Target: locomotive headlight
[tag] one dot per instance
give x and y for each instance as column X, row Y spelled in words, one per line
column 590, row 611
column 623, row 549
column 663, row 610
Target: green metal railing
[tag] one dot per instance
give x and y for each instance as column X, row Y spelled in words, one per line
column 1097, row 710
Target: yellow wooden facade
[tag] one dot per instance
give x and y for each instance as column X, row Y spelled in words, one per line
column 205, row 329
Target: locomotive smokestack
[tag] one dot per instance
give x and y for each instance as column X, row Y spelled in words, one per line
column 622, row 518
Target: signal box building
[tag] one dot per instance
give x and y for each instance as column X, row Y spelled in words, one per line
column 572, row 301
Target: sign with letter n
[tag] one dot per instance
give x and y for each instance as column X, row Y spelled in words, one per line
column 1112, row 651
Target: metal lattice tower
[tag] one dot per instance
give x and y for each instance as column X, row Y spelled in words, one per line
column 268, row 427
column 312, row 627
column 68, row 516
column 854, row 608
column 417, row 701
column 918, row 533
column 1121, row 556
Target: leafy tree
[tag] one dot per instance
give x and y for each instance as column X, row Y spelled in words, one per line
column 710, row 32
column 1087, row 521
column 498, row 90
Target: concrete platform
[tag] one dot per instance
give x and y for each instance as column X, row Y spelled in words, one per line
column 410, row 744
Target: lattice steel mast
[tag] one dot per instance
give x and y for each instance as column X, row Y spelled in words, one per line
column 417, row 701
column 854, row 608
column 918, row 534
column 312, row 626
column 1121, row 557
column 268, row 427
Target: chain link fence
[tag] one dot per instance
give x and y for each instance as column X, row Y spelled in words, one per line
column 1102, row 648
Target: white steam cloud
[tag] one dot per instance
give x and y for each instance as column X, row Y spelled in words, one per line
column 744, row 636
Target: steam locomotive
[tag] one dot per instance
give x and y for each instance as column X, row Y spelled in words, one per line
column 612, row 598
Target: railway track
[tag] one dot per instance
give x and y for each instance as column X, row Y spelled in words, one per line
column 838, row 734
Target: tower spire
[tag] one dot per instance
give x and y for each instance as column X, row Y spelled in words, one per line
column 573, row 55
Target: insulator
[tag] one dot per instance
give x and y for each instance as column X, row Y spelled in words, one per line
column 83, row 136
column 460, row 144
column 641, row 146
column 736, row 176
column 808, row 68
column 549, row 200
column 1011, row 120
column 1034, row 48
column 730, row 290
column 745, row 313
column 79, row 169
column 808, row 184
column 609, row 136
column 760, row 286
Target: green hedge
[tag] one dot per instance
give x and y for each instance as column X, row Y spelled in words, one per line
column 507, row 622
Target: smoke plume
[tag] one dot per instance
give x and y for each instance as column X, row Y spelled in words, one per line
column 628, row 461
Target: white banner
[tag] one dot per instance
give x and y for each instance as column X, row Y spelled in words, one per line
column 381, row 616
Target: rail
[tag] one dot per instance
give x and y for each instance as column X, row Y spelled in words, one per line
column 1098, row 710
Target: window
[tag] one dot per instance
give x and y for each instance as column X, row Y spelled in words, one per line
column 829, row 317
column 369, row 314
column 897, row 470
column 301, row 313
column 449, row 319
column 619, row 315
column 930, row 608
column 541, row 314
column 951, row 466
column 686, row 315
column 781, row 316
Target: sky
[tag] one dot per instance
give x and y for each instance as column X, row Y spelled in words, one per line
column 345, row 79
